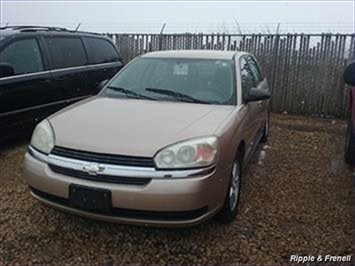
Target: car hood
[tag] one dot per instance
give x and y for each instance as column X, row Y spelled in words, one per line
column 133, row 127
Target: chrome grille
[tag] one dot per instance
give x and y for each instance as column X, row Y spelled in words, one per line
column 103, row 157
column 101, row 178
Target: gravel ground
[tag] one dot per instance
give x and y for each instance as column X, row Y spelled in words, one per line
column 297, row 198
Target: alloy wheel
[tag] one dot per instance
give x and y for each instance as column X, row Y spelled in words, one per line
column 234, row 186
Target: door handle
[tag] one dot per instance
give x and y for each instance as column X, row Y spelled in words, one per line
column 46, row 81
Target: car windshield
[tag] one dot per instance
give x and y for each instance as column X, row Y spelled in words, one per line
column 202, row 81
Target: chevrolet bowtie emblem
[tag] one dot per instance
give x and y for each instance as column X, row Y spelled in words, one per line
column 93, row 168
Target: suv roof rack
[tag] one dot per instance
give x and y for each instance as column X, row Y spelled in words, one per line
column 34, row 28
column 44, row 28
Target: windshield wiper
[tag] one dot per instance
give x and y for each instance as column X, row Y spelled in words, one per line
column 177, row 95
column 129, row 92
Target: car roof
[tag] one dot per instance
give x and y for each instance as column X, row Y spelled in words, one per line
column 43, row 30
column 7, row 32
column 195, row 54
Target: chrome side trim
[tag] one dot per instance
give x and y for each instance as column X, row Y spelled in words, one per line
column 119, row 170
column 63, row 69
column 44, row 105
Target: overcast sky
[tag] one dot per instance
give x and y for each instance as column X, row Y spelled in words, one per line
column 197, row 16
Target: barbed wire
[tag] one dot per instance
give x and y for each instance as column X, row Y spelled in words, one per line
column 224, row 27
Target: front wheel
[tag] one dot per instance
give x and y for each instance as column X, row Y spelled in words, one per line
column 349, row 144
column 231, row 201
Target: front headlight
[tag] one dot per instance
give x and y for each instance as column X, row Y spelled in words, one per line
column 43, row 137
column 193, row 153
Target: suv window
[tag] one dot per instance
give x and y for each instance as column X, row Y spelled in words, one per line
column 24, row 56
column 66, row 52
column 255, row 70
column 102, row 51
column 247, row 78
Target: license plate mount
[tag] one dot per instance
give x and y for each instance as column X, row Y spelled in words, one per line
column 90, row 199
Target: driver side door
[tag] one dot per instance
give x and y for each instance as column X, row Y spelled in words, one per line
column 251, row 108
column 260, row 83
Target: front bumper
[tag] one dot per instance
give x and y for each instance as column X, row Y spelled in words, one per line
column 160, row 202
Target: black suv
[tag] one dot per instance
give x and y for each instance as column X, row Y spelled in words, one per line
column 43, row 69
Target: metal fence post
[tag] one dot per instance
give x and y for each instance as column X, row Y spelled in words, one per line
column 273, row 65
column 161, row 37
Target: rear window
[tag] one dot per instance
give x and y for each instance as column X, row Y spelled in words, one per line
column 66, row 52
column 102, row 51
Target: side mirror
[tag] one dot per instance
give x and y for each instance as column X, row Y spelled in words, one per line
column 349, row 74
column 257, row 95
column 102, row 84
column 6, row 70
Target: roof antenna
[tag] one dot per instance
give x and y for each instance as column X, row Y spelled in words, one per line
column 7, row 24
column 76, row 29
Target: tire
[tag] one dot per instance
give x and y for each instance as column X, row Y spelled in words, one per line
column 230, row 207
column 265, row 136
column 349, row 144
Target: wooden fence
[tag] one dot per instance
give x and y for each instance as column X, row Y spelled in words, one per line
column 304, row 71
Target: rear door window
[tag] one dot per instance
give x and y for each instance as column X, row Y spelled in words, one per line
column 255, row 70
column 24, row 56
column 102, row 51
column 248, row 81
column 66, row 52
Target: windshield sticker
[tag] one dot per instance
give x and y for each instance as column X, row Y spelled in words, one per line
column 221, row 63
column 181, row 69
